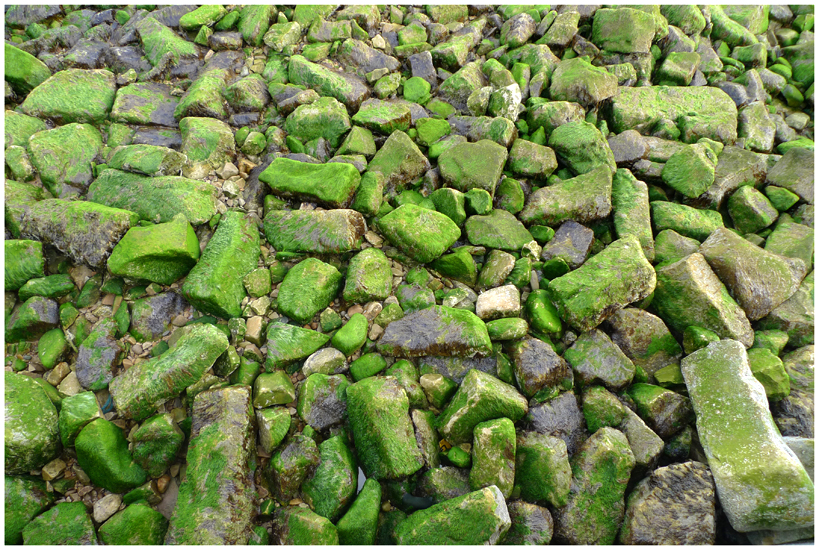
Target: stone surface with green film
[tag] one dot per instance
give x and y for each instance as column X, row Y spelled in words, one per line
column 302, row 526
column 359, row 524
column 473, row 165
column 214, row 285
column 479, row 398
column 140, row 390
column 610, row 280
column 308, row 288
column 421, row 234
column 67, row 523
column 319, row 232
column 584, row 198
column 760, row 482
column 32, row 435
column 156, row 443
column 332, row 185
column 332, row 487
column 436, row 330
column 368, row 277
column 216, row 499
column 102, row 453
column 73, row 95
column 493, row 456
column 138, row 524
column 378, row 411
column 26, row 498
column 288, row 343
column 542, row 470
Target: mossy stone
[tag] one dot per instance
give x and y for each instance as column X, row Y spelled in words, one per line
column 138, row 524
column 67, row 523
column 32, row 432
column 102, row 452
column 308, row 288
column 73, row 95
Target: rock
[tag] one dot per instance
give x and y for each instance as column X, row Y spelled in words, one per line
column 690, row 170
column 644, row 339
column 571, row 243
column 714, row 112
column 542, row 470
column 214, row 285
column 204, row 99
column 280, row 36
column 308, row 288
column 151, row 317
column 736, row 168
column 273, row 423
column 157, row 199
column 159, row 41
column 32, row 438
column 347, row 89
column 314, row 231
column 23, row 71
column 73, row 95
column 538, row 369
column 744, row 497
column 498, row 302
column 759, row 280
column 290, row 465
column 288, row 343
column 150, row 160
column 75, row 413
column 579, row 81
column 473, row 165
column 140, row 390
column 664, row 411
column 322, row 400
column 480, row 397
column 583, row 199
column 399, row 160
column 687, row 221
column 442, row 484
column 25, row 499
column 137, row 524
column 332, row 486
column 750, row 210
column 795, row 316
column 690, row 286
column 794, row 414
column 302, row 526
column 531, row 524
column 422, row 234
column 591, row 516
column 331, row 184
column 32, row 319
column 98, row 354
column 156, row 443
column 579, row 296
column 560, row 417
column 662, row 507
column 359, row 524
column 794, row 172
column 436, row 330
column 64, row 156
column 24, row 261
column 102, row 453
column 531, row 160
column 793, row 240
column 623, row 30
column 106, row 507
column 493, row 456
column 498, row 229
column 596, row 360
column 216, row 509
column 325, row 117
column 84, row 231
column 161, row 253
column 378, row 410
column 66, row 523
column 480, row 517
column 368, row 277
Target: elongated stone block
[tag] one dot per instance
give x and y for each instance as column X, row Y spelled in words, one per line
column 608, row 281
column 584, row 198
column 378, row 409
column 436, row 330
column 480, row 517
column 216, row 499
column 760, row 482
column 689, row 293
column 330, row 184
column 319, row 232
column 759, row 280
column 215, row 285
column 140, row 390
column 632, row 215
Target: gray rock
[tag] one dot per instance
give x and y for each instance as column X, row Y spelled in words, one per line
column 560, row 417
column 538, row 368
column 98, row 354
column 151, row 317
column 572, row 243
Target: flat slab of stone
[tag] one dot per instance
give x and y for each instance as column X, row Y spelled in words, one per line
column 584, row 198
column 760, row 482
column 216, row 499
column 319, row 232
column 73, row 95
column 639, row 108
column 608, row 281
column 421, row 234
column 794, row 172
column 436, row 330
column 330, row 184
column 147, row 103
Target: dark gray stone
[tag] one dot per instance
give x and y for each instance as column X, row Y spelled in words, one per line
column 560, row 417
column 572, row 243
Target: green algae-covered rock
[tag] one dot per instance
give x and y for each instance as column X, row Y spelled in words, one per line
column 531, row 159
column 359, row 524
column 97, row 356
column 689, row 293
column 793, row 240
column 473, row 165
column 156, row 443
column 476, row 518
column 18, row 197
column 322, row 400
column 499, row 229
column 383, row 117
column 325, row 117
column 23, row 71
column 610, row 280
column 347, row 89
column 436, row 330
column 595, row 359
column 274, row 388
column 664, row 411
column 214, row 285
column 331, row 184
column 601, row 469
column 420, row 233
column 714, row 112
column 794, row 172
column 273, row 422
column 287, row 344
column 795, row 316
column 542, row 470
column 20, row 127
column 493, row 456
column 531, row 524
column 288, row 467
column 327, row 231
column 102, row 453
column 24, row 261
column 203, row 15
column 207, row 143
column 654, row 516
column 579, row 81
column 369, row 277
column 690, row 170
column 623, row 30
column 140, row 390
column 302, row 526
column 378, row 410
column 687, row 221
column 581, row 147
column 480, row 397
column 158, row 40
column 216, row 499
column 744, row 449
column 31, row 431
column 770, row 372
column 64, row 157
column 160, row 253
column 138, row 524
column 25, row 498
column 584, row 198
column 150, row 160
column 750, row 210
column 759, row 280
column 73, row 95
column 352, row 335
column 156, row 199
column 32, row 319
column 629, row 199
column 84, row 231
column 333, row 484
column 51, row 348
column 307, row 289
column 152, row 316
column 399, row 160
column 68, row 523
column 76, row 412
column 145, row 103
